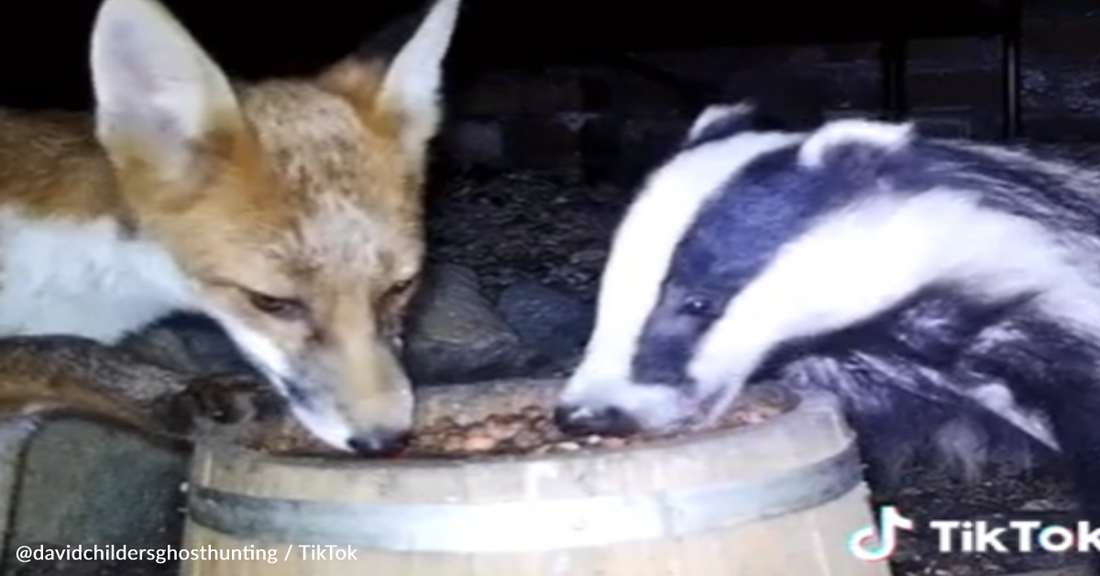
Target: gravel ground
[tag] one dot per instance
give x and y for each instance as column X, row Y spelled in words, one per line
column 546, row 226
column 554, row 229
column 1040, row 495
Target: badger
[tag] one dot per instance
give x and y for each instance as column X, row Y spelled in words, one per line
column 937, row 287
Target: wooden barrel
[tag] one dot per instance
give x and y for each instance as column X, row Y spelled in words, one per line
column 779, row 498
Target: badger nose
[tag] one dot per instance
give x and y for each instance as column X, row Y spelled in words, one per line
column 379, row 442
column 585, row 421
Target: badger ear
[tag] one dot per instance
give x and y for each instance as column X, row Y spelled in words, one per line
column 866, row 138
column 758, row 113
column 715, row 117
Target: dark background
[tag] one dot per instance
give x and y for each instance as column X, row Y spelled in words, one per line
column 540, row 84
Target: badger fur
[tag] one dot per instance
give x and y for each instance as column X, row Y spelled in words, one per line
column 945, row 290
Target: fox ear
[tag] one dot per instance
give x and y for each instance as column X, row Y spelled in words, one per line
column 160, row 99
column 395, row 81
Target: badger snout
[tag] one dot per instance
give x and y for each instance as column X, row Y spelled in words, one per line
column 577, row 420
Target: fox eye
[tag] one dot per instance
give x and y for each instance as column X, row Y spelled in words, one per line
column 282, row 308
column 399, row 287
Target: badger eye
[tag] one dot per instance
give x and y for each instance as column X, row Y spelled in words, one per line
column 696, row 306
column 282, row 308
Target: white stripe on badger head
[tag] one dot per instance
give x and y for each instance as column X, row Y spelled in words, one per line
column 643, row 246
column 858, row 262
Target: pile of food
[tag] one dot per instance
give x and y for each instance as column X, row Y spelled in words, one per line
column 527, row 431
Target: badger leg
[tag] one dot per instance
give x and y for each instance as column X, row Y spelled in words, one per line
column 999, row 399
column 1074, row 409
column 1076, row 427
column 1053, row 370
column 905, row 413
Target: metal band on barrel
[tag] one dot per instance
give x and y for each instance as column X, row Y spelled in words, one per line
column 524, row 526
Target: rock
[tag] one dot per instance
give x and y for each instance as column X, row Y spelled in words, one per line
column 81, row 482
column 553, row 322
column 189, row 344
column 455, row 335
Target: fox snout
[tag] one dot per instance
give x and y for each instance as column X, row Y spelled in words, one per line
column 359, row 401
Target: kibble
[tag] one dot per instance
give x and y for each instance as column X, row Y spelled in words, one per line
column 529, row 430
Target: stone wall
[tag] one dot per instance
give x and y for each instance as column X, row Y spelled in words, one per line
column 565, row 118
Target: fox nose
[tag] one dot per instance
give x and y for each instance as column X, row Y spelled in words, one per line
column 585, row 421
column 379, row 442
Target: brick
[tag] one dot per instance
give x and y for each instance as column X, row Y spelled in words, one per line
column 944, row 125
column 601, row 139
column 850, row 52
column 951, row 53
column 837, row 87
column 937, row 89
column 1063, row 8
column 853, row 88
column 1064, row 128
column 541, row 142
column 475, row 141
column 1062, row 39
column 621, row 151
column 845, row 113
column 716, row 63
column 628, row 93
column 958, row 122
column 650, row 137
column 521, row 92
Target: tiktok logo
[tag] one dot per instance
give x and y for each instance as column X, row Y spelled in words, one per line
column 891, row 521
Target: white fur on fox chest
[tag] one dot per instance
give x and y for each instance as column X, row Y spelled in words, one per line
column 82, row 278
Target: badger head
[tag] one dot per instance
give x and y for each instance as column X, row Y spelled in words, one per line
column 751, row 239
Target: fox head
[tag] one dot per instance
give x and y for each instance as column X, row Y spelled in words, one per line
column 292, row 206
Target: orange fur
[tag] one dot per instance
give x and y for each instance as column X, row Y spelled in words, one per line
column 301, row 193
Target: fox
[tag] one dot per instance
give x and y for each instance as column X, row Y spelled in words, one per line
column 287, row 210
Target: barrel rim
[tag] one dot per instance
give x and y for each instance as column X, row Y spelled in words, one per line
column 220, row 441
column 495, row 527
